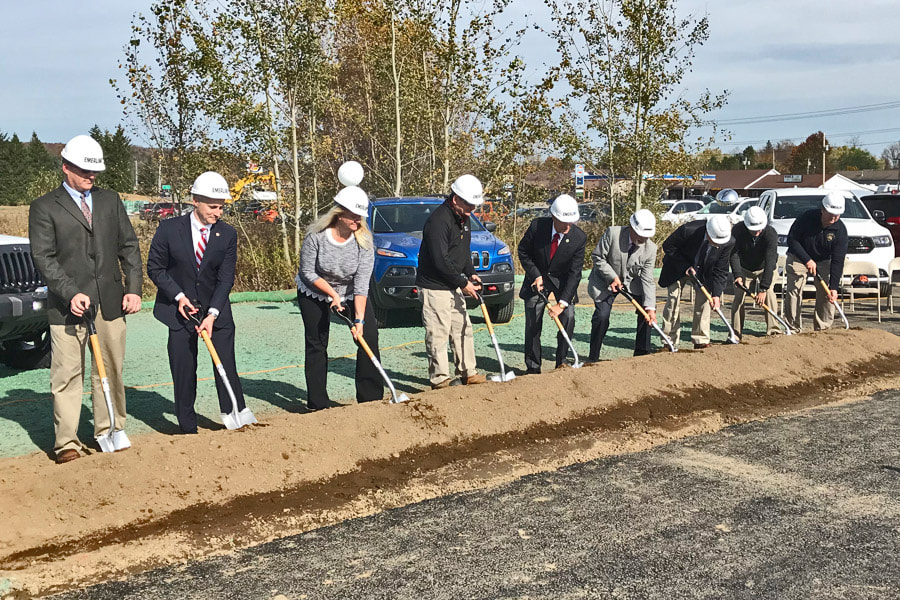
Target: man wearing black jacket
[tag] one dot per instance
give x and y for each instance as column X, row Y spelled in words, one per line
column 704, row 247
column 445, row 273
column 753, row 260
column 817, row 243
column 552, row 254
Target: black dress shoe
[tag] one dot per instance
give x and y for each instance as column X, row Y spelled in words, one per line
column 532, row 371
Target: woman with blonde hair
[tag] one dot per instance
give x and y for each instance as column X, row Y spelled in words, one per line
column 336, row 263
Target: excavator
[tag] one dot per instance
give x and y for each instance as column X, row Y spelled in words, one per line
column 247, row 194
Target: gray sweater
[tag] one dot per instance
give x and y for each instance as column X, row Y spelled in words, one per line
column 346, row 267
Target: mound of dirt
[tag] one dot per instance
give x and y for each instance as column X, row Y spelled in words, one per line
column 172, row 498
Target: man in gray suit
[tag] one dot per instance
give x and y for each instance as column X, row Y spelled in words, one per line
column 80, row 239
column 624, row 258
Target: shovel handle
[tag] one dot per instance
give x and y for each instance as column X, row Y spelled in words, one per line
column 487, row 318
column 211, row 348
column 98, row 357
column 702, row 287
column 824, row 285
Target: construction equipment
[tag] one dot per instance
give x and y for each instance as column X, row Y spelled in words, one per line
column 562, row 330
column 836, row 305
column 112, row 440
column 732, row 336
column 504, row 374
column 666, row 339
column 235, row 419
column 787, row 328
column 395, row 398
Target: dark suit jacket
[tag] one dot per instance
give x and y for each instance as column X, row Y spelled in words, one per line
column 171, row 265
column 74, row 258
column 681, row 250
column 563, row 273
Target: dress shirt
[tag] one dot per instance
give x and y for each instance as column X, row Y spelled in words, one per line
column 76, row 196
column 196, row 236
column 554, row 233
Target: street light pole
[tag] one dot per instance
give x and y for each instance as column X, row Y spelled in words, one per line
column 824, row 152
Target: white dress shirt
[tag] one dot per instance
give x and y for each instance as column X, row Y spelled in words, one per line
column 196, row 236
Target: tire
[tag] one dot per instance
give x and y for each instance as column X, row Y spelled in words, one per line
column 28, row 354
column 502, row 313
column 381, row 315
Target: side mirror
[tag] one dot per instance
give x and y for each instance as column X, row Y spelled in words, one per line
column 878, row 215
column 490, row 226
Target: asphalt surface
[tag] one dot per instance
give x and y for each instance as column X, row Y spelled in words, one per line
column 804, row 506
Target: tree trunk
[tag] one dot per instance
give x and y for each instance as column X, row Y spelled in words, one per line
column 398, row 172
column 295, row 160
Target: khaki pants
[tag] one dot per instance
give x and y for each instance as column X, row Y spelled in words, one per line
column 444, row 314
column 738, row 308
column 671, row 322
column 67, row 379
column 796, row 279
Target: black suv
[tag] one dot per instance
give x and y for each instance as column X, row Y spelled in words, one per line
column 24, row 330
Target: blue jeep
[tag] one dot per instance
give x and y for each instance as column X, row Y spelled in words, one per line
column 397, row 225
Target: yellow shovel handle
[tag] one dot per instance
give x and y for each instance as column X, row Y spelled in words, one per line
column 640, row 308
column 211, row 348
column 487, row 319
column 824, row 286
column 705, row 292
column 365, row 346
column 98, row 358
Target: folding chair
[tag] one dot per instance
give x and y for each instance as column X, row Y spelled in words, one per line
column 854, row 269
column 894, row 267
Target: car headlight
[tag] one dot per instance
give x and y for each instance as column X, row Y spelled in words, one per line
column 503, row 251
column 391, row 253
column 782, row 240
column 882, row 241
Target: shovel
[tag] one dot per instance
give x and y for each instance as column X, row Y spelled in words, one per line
column 112, row 440
column 836, row 305
column 732, row 337
column 787, row 328
column 395, row 399
column 577, row 364
column 666, row 339
column 504, row 374
column 235, row 419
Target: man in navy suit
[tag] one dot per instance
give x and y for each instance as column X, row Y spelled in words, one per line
column 192, row 260
column 552, row 254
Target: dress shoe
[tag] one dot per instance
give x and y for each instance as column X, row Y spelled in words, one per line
column 532, row 371
column 67, row 456
column 441, row 385
column 474, row 379
column 700, row 346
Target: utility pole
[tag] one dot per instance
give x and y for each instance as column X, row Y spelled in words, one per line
column 135, row 177
column 824, row 152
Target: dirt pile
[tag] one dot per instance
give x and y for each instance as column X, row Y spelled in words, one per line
column 171, row 498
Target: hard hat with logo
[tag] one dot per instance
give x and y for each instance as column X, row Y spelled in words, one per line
column 469, row 189
column 211, row 185
column 643, row 223
column 755, row 219
column 565, row 208
column 84, row 152
column 354, row 199
column 727, row 196
column 718, row 228
column 833, row 202
column 350, row 173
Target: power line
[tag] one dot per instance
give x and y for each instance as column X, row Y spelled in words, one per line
column 811, row 114
column 827, row 135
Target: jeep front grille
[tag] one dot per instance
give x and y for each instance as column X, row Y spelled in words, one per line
column 17, row 271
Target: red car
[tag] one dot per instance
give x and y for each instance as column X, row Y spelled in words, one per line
column 885, row 209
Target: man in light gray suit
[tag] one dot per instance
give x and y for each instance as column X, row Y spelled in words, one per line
column 624, row 257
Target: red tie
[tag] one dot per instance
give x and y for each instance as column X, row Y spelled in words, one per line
column 201, row 246
column 554, row 245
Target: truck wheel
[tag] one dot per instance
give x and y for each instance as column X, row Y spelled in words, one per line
column 381, row 315
column 27, row 354
column 502, row 313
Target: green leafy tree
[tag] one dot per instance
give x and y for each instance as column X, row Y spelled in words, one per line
column 852, row 158
column 807, row 156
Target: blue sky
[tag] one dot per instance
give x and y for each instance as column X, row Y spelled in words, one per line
column 775, row 57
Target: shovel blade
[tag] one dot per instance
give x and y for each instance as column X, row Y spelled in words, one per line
column 398, row 399
column 114, row 441
column 236, row 420
column 508, row 376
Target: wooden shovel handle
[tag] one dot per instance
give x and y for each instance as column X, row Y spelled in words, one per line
column 210, row 347
column 487, row 319
column 98, row 358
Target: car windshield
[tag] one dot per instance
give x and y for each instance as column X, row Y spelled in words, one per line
column 889, row 205
column 791, row 207
column 407, row 218
column 714, row 208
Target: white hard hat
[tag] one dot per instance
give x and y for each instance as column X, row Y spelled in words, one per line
column 211, row 185
column 469, row 189
column 833, row 202
column 643, row 223
column 718, row 228
column 755, row 219
column 350, row 173
column 565, row 208
column 354, row 199
column 84, row 152
column 727, row 196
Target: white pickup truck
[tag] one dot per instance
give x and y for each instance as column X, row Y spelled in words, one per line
column 868, row 241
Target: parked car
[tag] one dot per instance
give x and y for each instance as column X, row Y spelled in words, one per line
column 868, row 241
column 527, row 213
column 396, row 225
column 735, row 211
column 885, row 209
column 680, row 211
column 159, row 211
column 24, row 329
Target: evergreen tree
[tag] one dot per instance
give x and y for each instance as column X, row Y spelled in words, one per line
column 118, row 175
column 14, row 171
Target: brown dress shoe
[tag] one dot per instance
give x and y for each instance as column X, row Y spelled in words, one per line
column 441, row 385
column 67, row 456
column 474, row 379
column 700, row 346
